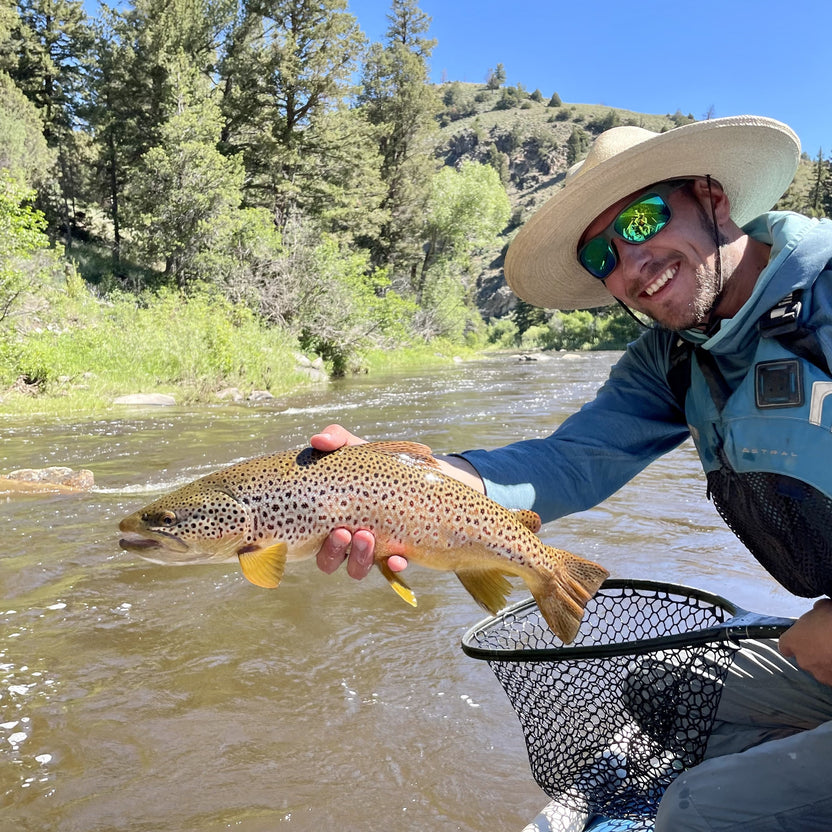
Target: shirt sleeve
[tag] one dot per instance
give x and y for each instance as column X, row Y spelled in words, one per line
column 633, row 419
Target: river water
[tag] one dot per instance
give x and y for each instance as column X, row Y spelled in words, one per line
column 139, row 698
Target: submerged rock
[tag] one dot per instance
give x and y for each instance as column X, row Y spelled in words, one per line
column 260, row 396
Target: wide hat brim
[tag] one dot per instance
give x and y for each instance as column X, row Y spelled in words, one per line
column 753, row 158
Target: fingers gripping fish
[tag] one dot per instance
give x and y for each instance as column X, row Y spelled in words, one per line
column 280, row 507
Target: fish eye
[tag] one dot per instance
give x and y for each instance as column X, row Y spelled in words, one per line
column 163, row 518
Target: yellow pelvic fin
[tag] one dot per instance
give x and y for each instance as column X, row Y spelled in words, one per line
column 414, row 450
column 399, row 586
column 530, row 519
column 489, row 588
column 562, row 594
column 263, row 567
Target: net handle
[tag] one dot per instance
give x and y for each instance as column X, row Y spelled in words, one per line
column 755, row 625
column 742, row 625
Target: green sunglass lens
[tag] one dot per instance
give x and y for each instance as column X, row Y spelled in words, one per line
column 598, row 257
column 641, row 220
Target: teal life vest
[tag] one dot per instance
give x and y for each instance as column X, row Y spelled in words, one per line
column 766, row 446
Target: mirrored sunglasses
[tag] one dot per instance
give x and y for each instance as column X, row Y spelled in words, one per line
column 642, row 219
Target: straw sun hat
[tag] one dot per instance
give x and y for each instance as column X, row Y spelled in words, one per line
column 753, row 158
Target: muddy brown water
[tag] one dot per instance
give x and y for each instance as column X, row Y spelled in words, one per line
column 137, row 697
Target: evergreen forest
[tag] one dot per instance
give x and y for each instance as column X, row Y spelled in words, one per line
column 193, row 193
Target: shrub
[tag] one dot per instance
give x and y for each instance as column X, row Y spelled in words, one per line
column 502, row 333
column 604, row 122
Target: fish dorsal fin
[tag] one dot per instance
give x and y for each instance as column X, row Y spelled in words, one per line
column 488, row 588
column 263, row 567
column 529, row 519
column 399, row 586
column 414, row 450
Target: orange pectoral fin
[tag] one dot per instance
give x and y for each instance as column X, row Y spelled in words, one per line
column 263, row 567
column 384, row 549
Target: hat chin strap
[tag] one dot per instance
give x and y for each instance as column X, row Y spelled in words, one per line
column 718, row 246
column 632, row 314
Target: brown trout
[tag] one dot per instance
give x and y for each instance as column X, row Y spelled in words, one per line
column 270, row 509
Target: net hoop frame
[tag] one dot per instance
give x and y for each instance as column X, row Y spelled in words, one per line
column 741, row 624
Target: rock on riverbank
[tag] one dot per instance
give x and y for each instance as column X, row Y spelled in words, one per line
column 56, row 479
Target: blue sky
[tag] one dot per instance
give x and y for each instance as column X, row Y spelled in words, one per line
column 725, row 56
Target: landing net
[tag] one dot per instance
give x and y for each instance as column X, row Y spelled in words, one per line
column 612, row 719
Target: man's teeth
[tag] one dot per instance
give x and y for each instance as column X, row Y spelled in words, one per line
column 663, row 279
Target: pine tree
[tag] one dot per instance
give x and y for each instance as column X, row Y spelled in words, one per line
column 183, row 201
column 576, row 145
column 289, row 63
column 142, row 55
column 496, row 77
column 46, row 57
column 400, row 103
column 117, row 115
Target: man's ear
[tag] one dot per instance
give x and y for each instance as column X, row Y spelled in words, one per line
column 721, row 203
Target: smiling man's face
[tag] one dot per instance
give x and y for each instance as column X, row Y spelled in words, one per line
column 673, row 276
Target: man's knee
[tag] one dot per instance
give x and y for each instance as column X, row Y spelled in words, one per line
column 677, row 810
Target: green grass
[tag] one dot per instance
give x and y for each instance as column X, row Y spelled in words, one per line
column 437, row 353
column 81, row 351
column 84, row 351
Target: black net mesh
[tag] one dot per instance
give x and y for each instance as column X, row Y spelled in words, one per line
column 612, row 719
column 783, row 521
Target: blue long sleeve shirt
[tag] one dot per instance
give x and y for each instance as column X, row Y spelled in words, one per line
column 635, row 417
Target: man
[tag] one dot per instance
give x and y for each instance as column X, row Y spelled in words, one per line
column 674, row 226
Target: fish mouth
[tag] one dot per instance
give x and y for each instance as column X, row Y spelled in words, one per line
column 144, row 544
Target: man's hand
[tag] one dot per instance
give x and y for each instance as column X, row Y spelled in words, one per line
column 357, row 549
column 809, row 641
column 333, row 437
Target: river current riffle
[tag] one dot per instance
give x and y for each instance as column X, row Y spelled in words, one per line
column 138, row 698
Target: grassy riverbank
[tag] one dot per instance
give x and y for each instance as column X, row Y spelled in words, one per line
column 68, row 348
column 93, row 397
column 72, row 353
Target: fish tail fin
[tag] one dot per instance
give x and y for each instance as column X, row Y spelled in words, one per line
column 562, row 596
column 398, row 583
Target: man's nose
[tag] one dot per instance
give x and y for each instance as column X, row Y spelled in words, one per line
column 632, row 257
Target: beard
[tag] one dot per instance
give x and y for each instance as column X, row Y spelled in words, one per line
column 699, row 311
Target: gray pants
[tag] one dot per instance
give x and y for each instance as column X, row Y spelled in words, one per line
column 768, row 765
